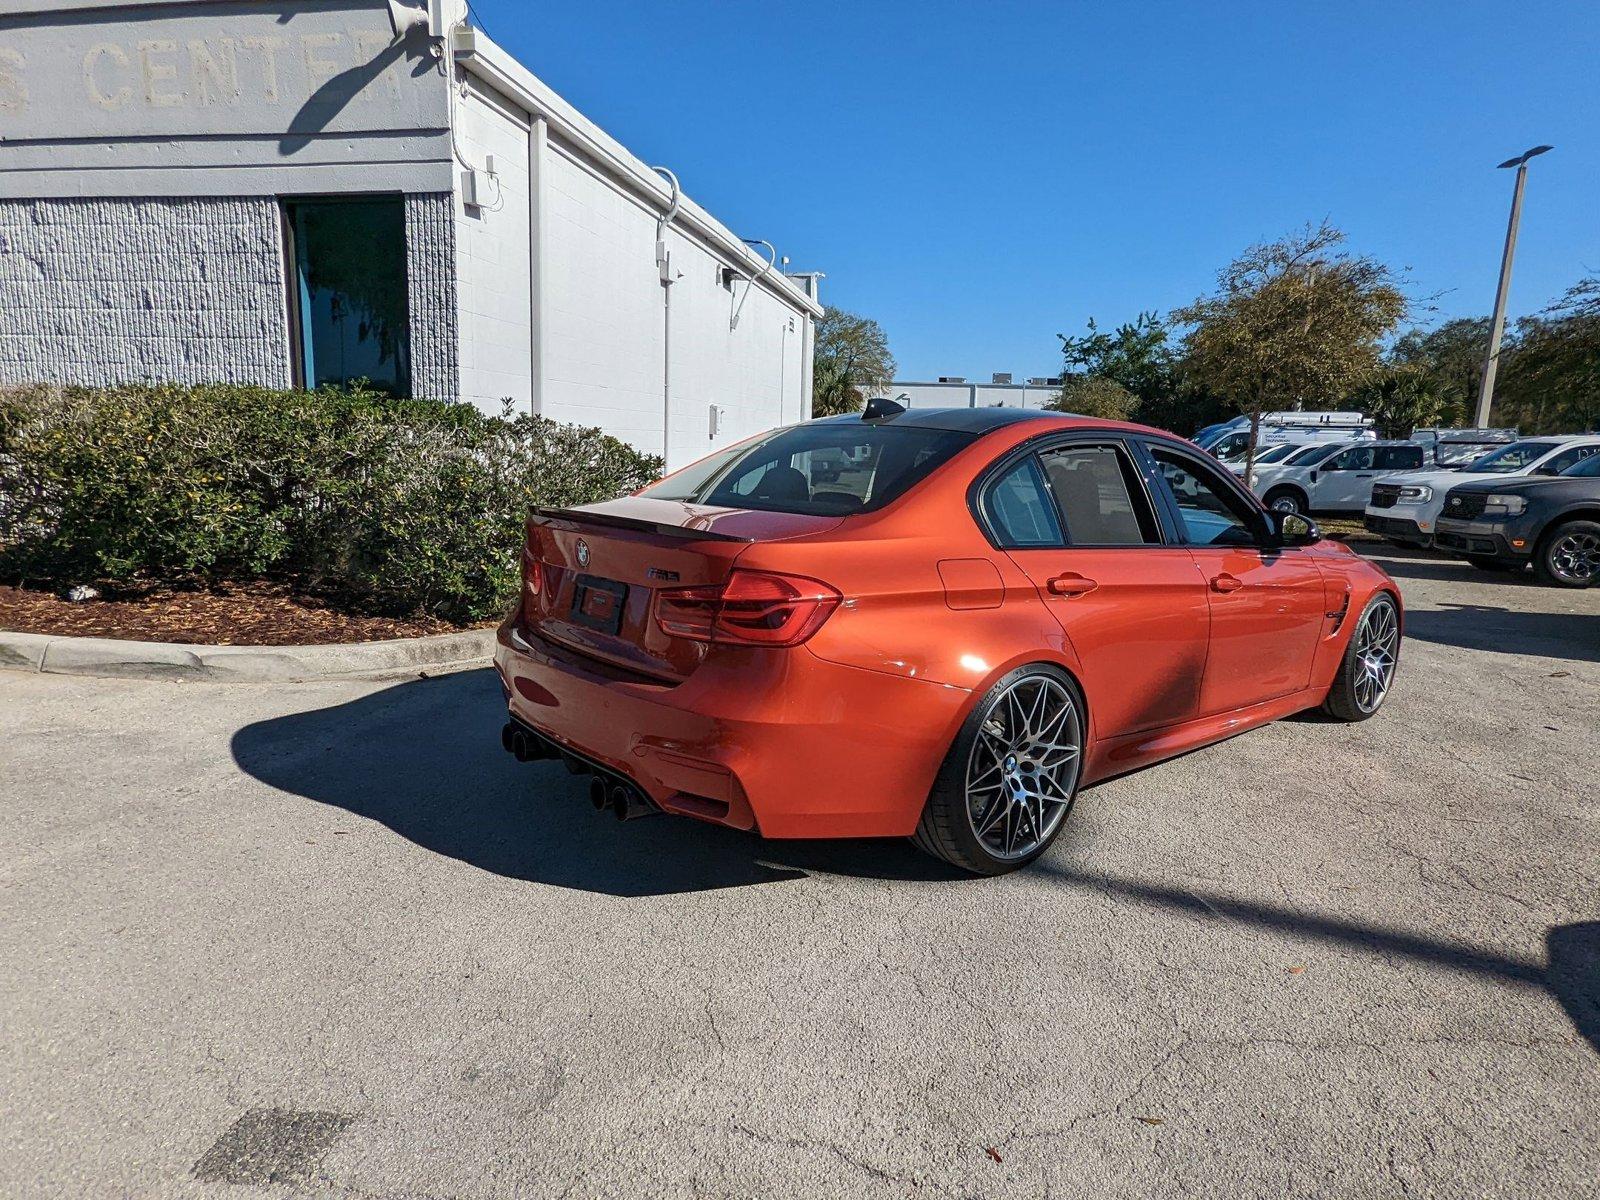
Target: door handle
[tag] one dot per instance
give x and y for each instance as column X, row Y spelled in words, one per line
column 1071, row 584
column 1226, row 583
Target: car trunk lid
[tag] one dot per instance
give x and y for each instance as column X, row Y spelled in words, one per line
column 591, row 574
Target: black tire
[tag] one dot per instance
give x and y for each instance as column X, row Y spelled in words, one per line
column 946, row 828
column 1569, row 555
column 1342, row 702
column 1287, row 499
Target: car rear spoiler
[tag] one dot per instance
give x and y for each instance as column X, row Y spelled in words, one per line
column 574, row 518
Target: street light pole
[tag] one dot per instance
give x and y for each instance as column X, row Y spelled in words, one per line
column 1497, row 329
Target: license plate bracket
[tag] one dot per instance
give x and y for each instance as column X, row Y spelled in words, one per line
column 598, row 603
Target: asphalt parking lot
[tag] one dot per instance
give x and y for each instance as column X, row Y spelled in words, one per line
column 328, row 939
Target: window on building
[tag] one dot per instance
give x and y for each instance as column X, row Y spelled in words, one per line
column 348, row 292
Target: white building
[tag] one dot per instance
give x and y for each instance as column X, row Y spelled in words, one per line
column 314, row 191
column 1000, row 392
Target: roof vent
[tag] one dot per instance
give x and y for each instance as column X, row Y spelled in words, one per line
column 879, row 407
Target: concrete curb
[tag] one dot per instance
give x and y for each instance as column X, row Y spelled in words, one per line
column 50, row 655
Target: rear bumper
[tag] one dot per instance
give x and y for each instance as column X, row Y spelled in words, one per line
column 776, row 740
column 1482, row 539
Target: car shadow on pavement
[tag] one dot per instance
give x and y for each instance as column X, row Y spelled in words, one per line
column 424, row 759
column 1571, row 636
column 1570, row 973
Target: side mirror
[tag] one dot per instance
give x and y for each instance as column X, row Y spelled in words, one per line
column 1290, row 529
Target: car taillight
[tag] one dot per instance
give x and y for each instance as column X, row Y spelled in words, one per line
column 753, row 608
column 532, row 572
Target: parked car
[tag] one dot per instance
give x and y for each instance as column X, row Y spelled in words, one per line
column 1266, row 458
column 1001, row 606
column 1552, row 523
column 1339, row 481
column 1405, row 508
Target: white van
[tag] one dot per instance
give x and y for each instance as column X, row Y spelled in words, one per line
column 1231, row 441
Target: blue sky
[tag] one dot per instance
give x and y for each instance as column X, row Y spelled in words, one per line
column 980, row 176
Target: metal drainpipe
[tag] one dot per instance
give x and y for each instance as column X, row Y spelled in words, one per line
column 664, row 265
column 538, row 138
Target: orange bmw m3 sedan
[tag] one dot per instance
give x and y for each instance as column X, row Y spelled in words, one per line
column 935, row 623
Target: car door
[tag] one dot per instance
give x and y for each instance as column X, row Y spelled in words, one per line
column 1267, row 604
column 1345, row 480
column 1076, row 515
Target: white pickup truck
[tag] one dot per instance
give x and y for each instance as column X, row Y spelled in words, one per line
column 1405, row 508
column 1333, row 478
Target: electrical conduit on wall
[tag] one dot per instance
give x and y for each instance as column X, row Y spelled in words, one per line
column 668, row 278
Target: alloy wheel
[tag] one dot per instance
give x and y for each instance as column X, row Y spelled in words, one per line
column 1285, row 504
column 1377, row 651
column 1575, row 558
column 1024, row 766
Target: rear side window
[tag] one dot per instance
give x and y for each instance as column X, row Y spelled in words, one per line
column 1397, row 458
column 1099, row 497
column 1019, row 507
column 821, row 468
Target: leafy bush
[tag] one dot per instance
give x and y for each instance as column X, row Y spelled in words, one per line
column 397, row 506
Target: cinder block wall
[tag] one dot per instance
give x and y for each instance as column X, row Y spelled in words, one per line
column 100, row 291
column 187, row 290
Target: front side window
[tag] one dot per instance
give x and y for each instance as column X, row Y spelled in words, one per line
column 1588, row 468
column 1510, row 458
column 348, row 285
column 1558, row 463
column 824, row 468
column 1099, row 497
column 1357, row 458
column 1212, row 514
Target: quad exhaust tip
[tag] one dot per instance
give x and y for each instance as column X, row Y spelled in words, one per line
column 626, row 800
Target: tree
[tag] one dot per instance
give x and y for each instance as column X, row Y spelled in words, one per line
column 851, row 361
column 1451, row 356
column 1292, row 324
column 1552, row 383
column 1140, row 357
column 1399, row 399
column 1136, row 356
column 1094, row 396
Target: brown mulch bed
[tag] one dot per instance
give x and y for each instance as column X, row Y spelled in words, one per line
column 246, row 614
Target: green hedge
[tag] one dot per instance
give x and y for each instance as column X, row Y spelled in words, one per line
column 396, row 506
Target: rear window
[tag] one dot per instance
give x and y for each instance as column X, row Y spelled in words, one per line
column 823, row 468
